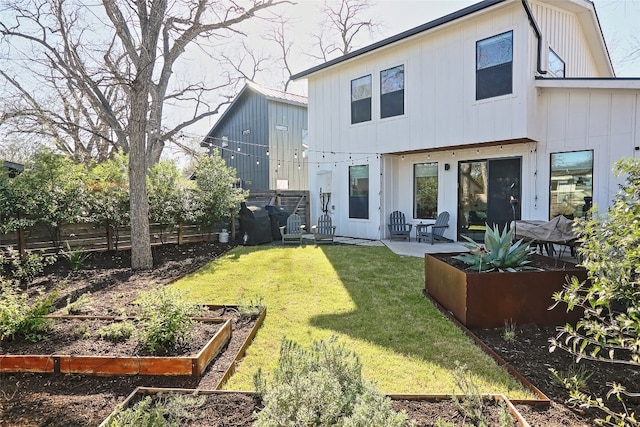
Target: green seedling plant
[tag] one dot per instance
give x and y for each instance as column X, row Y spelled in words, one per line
column 576, row 377
column 509, row 332
column 252, row 307
column 82, row 304
column 471, row 404
column 499, row 253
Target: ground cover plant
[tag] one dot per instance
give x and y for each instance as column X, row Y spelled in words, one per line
column 367, row 296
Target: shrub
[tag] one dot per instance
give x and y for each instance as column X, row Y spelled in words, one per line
column 609, row 329
column 118, row 331
column 76, row 257
column 23, row 269
column 322, row 386
column 166, row 319
column 498, row 253
column 18, row 318
column 166, row 189
column 159, row 411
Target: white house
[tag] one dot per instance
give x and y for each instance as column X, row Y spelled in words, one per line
column 505, row 100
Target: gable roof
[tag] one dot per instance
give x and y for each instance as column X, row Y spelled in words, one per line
column 269, row 94
column 594, row 36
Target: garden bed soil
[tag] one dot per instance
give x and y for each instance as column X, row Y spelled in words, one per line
column 76, row 400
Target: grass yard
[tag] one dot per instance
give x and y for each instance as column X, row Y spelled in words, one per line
column 369, row 297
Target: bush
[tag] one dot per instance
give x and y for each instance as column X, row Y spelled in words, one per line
column 23, row 269
column 166, row 319
column 169, row 410
column 166, row 189
column 609, row 298
column 322, row 386
column 18, row 318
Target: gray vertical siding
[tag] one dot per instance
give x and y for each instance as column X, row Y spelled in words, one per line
column 272, row 126
column 250, row 115
column 286, row 145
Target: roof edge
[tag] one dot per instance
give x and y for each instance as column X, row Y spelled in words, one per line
column 401, row 36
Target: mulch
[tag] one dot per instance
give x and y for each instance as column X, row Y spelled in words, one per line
column 76, row 400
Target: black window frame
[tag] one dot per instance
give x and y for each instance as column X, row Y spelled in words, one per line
column 495, row 79
column 579, row 198
column 358, row 194
column 423, row 212
column 391, row 101
column 361, row 107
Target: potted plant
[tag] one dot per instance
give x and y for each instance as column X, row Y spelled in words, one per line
column 499, row 282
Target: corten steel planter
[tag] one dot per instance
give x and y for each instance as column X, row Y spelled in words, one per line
column 192, row 365
column 489, row 299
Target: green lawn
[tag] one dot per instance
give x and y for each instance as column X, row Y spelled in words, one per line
column 369, row 297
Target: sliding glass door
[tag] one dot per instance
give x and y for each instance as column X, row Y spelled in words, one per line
column 488, row 193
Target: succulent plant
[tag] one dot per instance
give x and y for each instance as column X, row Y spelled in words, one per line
column 498, row 253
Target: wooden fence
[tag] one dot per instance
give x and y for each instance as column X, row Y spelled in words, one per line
column 93, row 237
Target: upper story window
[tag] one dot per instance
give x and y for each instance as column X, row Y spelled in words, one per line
column 392, row 92
column 361, row 99
column 425, row 187
column 571, row 184
column 556, row 65
column 494, row 66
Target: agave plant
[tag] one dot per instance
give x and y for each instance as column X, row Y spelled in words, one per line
column 498, row 253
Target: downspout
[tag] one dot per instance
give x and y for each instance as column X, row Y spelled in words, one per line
column 534, row 25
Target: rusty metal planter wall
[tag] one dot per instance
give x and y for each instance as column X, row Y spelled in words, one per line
column 489, row 299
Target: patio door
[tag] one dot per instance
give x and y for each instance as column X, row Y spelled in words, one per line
column 488, row 193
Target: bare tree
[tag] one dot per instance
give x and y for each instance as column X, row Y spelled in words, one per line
column 279, row 36
column 342, row 27
column 108, row 71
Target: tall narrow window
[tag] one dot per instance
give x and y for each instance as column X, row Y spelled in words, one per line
column 425, row 187
column 361, row 99
column 359, row 191
column 392, row 92
column 494, row 66
column 556, row 65
column 571, row 184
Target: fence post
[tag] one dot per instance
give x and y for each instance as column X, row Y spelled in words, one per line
column 180, row 236
column 22, row 239
column 109, row 237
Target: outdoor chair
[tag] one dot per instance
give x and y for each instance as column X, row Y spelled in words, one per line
column 324, row 231
column 434, row 232
column 292, row 232
column 398, row 227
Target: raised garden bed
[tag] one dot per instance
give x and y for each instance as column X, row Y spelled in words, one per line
column 491, row 299
column 236, row 408
column 110, row 364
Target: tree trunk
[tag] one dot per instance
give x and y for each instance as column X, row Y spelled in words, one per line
column 141, row 257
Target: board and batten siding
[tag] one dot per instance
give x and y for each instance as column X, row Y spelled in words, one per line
column 440, row 108
column 600, row 119
column 563, row 33
column 247, row 129
column 287, row 125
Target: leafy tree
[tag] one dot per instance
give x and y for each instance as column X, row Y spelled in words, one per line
column 52, row 191
column 8, row 209
column 167, row 195
column 73, row 83
column 609, row 331
column 216, row 197
column 109, row 194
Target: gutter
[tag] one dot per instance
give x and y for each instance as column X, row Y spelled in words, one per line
column 536, row 29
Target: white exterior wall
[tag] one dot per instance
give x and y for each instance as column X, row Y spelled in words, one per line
column 443, row 117
column 603, row 120
column 440, row 111
column 562, row 32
